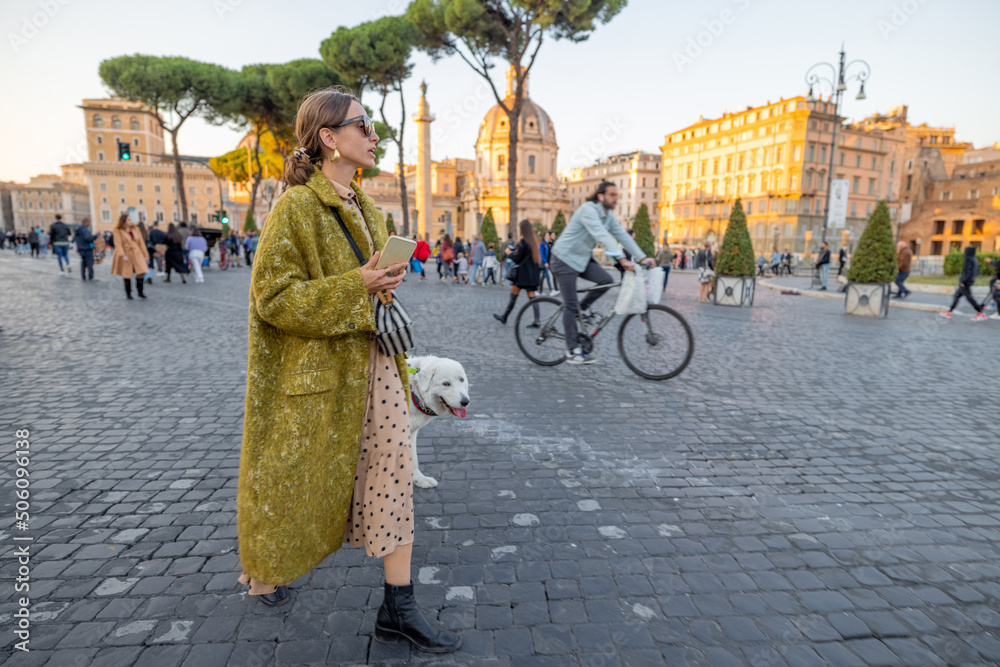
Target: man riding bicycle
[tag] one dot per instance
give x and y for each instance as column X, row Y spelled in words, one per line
column 572, row 257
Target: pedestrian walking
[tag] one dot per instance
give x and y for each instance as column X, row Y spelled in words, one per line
column 775, row 261
column 477, row 253
column 459, row 249
column 250, row 246
column 490, row 265
column 159, row 240
column 233, row 243
column 786, row 262
column 185, row 232
column 970, row 271
column 197, row 246
column 824, row 265
column 347, row 479
column 84, row 240
column 43, row 242
column 33, row 241
column 150, row 251
column 994, row 292
column 420, row 255
column 130, row 255
column 508, row 248
column 665, row 259
column 705, row 263
column 527, row 259
column 842, row 260
column 904, row 257
column 174, row 256
column 60, row 232
column 446, row 258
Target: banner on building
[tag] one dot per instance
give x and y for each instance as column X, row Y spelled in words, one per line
column 839, row 188
column 905, row 211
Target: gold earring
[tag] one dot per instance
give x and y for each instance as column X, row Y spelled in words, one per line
column 336, row 156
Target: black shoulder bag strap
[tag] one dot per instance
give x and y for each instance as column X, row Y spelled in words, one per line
column 350, row 239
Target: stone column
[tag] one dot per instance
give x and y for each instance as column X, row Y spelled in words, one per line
column 425, row 199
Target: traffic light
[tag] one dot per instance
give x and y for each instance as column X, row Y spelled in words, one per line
column 124, row 151
column 223, row 217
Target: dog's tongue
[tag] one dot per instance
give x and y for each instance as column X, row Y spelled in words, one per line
column 458, row 412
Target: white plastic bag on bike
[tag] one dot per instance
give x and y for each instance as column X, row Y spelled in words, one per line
column 653, row 278
column 632, row 297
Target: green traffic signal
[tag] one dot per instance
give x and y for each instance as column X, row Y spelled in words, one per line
column 224, row 217
column 123, row 150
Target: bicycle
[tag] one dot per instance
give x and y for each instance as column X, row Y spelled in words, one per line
column 661, row 334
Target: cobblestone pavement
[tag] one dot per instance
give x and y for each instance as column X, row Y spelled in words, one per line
column 814, row 489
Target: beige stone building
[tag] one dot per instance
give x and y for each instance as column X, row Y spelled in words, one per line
column 956, row 211
column 36, row 203
column 776, row 158
column 637, row 175
column 146, row 181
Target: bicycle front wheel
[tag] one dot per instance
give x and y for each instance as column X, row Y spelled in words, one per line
column 657, row 344
column 545, row 344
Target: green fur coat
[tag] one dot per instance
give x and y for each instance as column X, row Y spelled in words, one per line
column 311, row 322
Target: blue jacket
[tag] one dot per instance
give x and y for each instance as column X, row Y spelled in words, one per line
column 84, row 239
column 592, row 224
column 543, row 249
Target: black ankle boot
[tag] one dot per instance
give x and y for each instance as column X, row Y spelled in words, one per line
column 400, row 618
column 128, row 288
column 510, row 307
column 138, row 286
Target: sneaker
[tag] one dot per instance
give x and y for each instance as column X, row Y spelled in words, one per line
column 578, row 356
column 554, row 292
column 945, row 314
column 979, row 317
column 995, row 316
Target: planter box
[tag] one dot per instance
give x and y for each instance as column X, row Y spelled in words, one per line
column 867, row 300
column 734, row 290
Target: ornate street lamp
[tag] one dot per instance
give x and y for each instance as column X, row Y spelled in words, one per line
column 842, row 76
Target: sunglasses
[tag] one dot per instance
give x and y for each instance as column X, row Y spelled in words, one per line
column 369, row 126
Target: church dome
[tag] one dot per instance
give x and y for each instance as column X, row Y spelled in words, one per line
column 534, row 121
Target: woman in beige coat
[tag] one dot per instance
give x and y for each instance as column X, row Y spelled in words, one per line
column 326, row 458
column 130, row 258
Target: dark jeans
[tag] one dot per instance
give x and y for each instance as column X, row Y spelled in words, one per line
column 966, row 291
column 34, row 250
column 900, row 279
column 566, row 277
column 490, row 276
column 666, row 274
column 87, row 264
column 62, row 254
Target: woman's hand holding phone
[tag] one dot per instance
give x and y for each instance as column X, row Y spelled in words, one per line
column 388, row 278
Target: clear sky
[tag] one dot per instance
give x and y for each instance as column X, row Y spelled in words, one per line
column 635, row 80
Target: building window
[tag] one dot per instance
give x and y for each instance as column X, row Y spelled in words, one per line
column 857, row 160
column 133, row 123
column 447, row 187
column 104, row 186
column 956, row 246
column 957, row 226
column 936, row 247
column 100, row 139
column 977, row 226
column 812, row 149
column 135, row 142
column 868, row 209
column 98, row 121
column 856, row 184
column 116, row 123
column 156, row 187
column 946, row 195
column 874, row 163
column 819, row 206
column 138, row 187
column 822, row 152
column 531, row 164
column 749, row 208
column 501, row 162
column 796, row 151
column 871, row 186
column 939, row 226
column 121, row 187
column 100, row 156
column 807, row 181
column 191, row 190
column 841, row 158
column 973, row 194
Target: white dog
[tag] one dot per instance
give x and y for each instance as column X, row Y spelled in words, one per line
column 437, row 386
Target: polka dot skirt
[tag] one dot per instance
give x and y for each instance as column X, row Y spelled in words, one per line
column 382, row 507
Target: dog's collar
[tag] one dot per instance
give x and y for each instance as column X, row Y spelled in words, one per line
column 422, row 408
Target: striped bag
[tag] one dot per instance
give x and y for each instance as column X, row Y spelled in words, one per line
column 394, row 326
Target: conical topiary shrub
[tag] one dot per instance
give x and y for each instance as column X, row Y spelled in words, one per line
column 736, row 255
column 489, row 232
column 390, row 226
column 559, row 224
column 874, row 259
column 249, row 225
column 643, row 234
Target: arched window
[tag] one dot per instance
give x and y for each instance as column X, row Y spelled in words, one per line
column 98, row 120
column 116, row 123
column 133, row 123
column 531, row 163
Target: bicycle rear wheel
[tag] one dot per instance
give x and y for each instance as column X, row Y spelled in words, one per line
column 546, row 345
column 657, row 344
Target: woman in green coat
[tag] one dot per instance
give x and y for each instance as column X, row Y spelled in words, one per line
column 326, row 457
